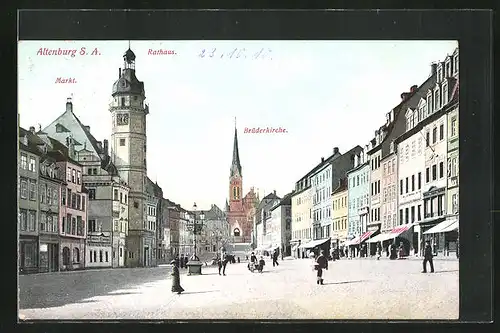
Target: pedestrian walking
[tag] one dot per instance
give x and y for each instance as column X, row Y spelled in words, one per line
column 275, row 258
column 176, row 278
column 320, row 264
column 379, row 251
column 181, row 263
column 238, row 260
column 428, row 257
column 223, row 263
column 186, row 259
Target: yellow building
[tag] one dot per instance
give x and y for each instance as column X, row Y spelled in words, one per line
column 301, row 217
column 339, row 214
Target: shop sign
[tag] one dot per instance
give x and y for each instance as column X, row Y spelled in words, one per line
column 43, row 248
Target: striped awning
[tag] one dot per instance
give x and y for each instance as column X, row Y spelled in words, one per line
column 314, row 243
column 399, row 230
column 380, row 238
column 441, row 227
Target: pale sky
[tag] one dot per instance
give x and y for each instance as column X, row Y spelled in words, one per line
column 325, row 93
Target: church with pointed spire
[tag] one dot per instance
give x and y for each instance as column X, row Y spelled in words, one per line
column 240, row 209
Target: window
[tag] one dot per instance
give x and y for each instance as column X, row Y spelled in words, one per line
column 406, row 183
column 83, row 203
column 95, row 256
column 434, row 172
column 115, row 195
column 445, row 94
column 24, row 189
column 412, row 183
column 23, row 219
column 91, row 194
column 32, row 191
column 122, row 142
column 453, row 126
column 100, row 256
column 31, row 220
column 73, row 200
column 357, row 180
column 68, row 175
column 437, row 103
column 32, row 166
column 121, row 252
column 401, row 217
column 441, row 169
column 123, row 104
column 107, row 256
column 427, row 138
column 89, row 171
column 63, row 229
column 73, row 176
column 419, row 180
column 78, row 202
column 78, row 177
column 24, row 161
column 121, row 197
column 441, row 132
column 55, row 197
column 454, row 203
column 125, row 201
column 419, row 212
column 401, row 186
column 412, row 214
column 434, row 135
column 90, row 256
column 455, row 64
column 76, row 255
column 427, row 173
column 407, row 215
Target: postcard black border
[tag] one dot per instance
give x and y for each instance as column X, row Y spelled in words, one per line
column 475, row 103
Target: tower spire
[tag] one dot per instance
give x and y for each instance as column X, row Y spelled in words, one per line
column 235, row 165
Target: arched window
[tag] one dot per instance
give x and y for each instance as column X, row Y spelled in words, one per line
column 236, row 232
column 76, row 255
column 66, row 256
column 234, row 192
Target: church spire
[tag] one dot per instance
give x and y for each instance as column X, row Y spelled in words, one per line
column 235, row 165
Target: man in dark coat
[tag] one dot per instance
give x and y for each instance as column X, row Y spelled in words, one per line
column 176, row 278
column 223, row 264
column 428, row 257
column 321, row 263
column 186, row 259
column 181, row 263
column 275, row 258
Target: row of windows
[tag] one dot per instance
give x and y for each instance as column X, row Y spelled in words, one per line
column 321, row 178
column 74, row 176
column 416, row 150
column 73, row 225
column 321, row 214
column 302, row 216
column 375, row 187
column 359, row 202
column 122, row 196
column 410, row 214
column 340, row 224
column 321, row 195
column 357, row 180
column 67, row 257
column 322, row 232
column 24, row 192
column 49, row 195
column 27, row 220
column 339, row 203
column 31, row 166
column 302, row 234
column 375, row 214
column 74, row 200
column 93, row 255
column 49, row 223
column 150, row 225
column 434, row 135
column 389, row 193
column 404, row 185
column 434, row 175
column 375, row 163
column 151, row 211
column 389, row 168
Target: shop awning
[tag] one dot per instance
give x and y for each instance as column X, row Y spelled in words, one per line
column 380, row 238
column 399, row 230
column 365, row 236
column 440, row 227
column 452, row 227
column 314, row 243
column 353, row 241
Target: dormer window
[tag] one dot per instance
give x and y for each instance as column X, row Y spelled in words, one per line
column 429, row 103
column 409, row 119
column 391, row 147
column 445, row 93
column 437, row 99
column 440, row 73
column 448, row 67
column 415, row 119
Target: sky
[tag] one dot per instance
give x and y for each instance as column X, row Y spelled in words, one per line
column 325, row 94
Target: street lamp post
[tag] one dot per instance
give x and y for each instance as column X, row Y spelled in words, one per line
column 194, row 264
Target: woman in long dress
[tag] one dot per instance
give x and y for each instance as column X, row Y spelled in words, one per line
column 176, row 278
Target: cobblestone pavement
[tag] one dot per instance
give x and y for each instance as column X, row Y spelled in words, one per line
column 354, row 289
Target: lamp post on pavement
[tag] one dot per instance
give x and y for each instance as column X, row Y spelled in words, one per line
column 194, row 264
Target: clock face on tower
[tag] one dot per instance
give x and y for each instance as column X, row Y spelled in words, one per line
column 122, row 119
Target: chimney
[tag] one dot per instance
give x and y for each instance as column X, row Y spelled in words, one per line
column 71, row 147
column 404, row 96
column 106, row 147
column 413, row 88
column 433, row 68
column 274, row 192
column 335, row 150
column 119, row 72
column 69, row 105
column 32, row 129
column 87, row 128
column 39, row 127
column 322, row 159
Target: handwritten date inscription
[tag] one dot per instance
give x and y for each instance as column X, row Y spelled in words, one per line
column 236, row 53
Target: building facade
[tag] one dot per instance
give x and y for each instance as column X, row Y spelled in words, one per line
column 301, row 216
column 280, row 225
column 28, row 185
column 389, row 204
column 73, row 213
column 263, row 222
column 50, row 194
column 339, row 214
column 358, row 196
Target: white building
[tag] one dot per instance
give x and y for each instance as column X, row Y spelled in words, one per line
column 281, row 220
column 321, row 188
